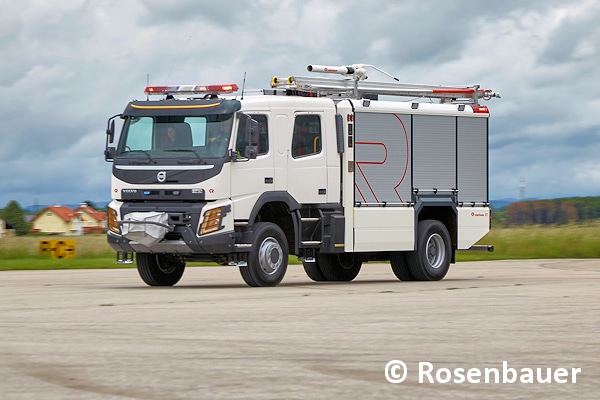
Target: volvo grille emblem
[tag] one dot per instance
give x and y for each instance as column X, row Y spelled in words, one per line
column 161, row 176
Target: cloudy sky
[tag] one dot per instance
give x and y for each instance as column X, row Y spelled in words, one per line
column 66, row 66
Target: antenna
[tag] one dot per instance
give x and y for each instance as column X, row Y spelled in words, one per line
column 243, row 85
column 147, row 84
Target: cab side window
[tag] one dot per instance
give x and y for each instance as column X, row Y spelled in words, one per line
column 306, row 139
column 263, row 135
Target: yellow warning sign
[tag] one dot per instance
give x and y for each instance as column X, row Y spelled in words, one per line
column 58, row 248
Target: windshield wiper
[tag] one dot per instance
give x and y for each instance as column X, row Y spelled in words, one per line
column 187, row 151
column 141, row 151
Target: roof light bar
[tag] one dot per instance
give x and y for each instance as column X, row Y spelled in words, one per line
column 191, row 89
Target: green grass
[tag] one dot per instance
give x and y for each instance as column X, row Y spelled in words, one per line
column 524, row 242
column 540, row 241
column 91, row 251
column 23, row 252
column 38, row 263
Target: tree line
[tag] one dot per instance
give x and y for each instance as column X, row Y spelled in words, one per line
column 550, row 212
column 542, row 212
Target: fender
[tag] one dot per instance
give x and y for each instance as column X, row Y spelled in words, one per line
column 434, row 201
column 273, row 197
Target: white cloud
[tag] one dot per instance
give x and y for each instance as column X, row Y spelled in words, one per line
column 68, row 66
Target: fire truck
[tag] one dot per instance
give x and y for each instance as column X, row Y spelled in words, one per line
column 335, row 169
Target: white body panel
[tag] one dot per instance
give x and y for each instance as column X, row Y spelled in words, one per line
column 383, row 229
column 306, row 177
column 249, row 181
column 473, row 224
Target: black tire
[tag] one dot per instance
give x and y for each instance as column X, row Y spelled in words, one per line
column 339, row 267
column 400, row 266
column 431, row 259
column 313, row 271
column 268, row 259
column 160, row 269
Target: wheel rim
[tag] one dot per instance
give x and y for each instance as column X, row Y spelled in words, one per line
column 435, row 250
column 270, row 256
column 346, row 261
column 164, row 266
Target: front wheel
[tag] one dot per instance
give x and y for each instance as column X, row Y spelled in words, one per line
column 268, row 259
column 160, row 269
column 431, row 259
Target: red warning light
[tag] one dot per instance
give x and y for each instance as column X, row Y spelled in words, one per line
column 192, row 89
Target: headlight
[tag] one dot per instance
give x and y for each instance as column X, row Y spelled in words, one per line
column 112, row 221
column 211, row 221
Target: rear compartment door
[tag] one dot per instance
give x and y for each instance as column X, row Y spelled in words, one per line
column 382, row 216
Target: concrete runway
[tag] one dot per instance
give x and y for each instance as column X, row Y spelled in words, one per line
column 103, row 334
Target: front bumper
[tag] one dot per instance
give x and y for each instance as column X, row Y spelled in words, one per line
column 218, row 243
column 183, row 221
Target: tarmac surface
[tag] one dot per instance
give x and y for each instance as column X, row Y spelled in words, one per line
column 103, row 334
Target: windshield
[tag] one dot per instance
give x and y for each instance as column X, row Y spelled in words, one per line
column 160, row 136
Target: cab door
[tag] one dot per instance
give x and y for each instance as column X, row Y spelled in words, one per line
column 251, row 177
column 307, row 161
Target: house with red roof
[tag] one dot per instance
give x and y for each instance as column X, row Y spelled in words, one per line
column 92, row 221
column 66, row 221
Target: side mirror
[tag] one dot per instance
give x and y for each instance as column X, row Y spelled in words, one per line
column 110, row 131
column 109, row 152
column 251, row 151
column 247, row 137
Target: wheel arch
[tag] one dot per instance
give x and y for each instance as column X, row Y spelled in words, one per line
column 440, row 209
column 278, row 208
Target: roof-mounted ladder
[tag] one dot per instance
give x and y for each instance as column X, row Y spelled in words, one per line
column 354, row 85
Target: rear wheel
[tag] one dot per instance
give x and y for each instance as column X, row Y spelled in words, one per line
column 313, row 271
column 160, row 269
column 268, row 259
column 339, row 266
column 400, row 266
column 431, row 259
